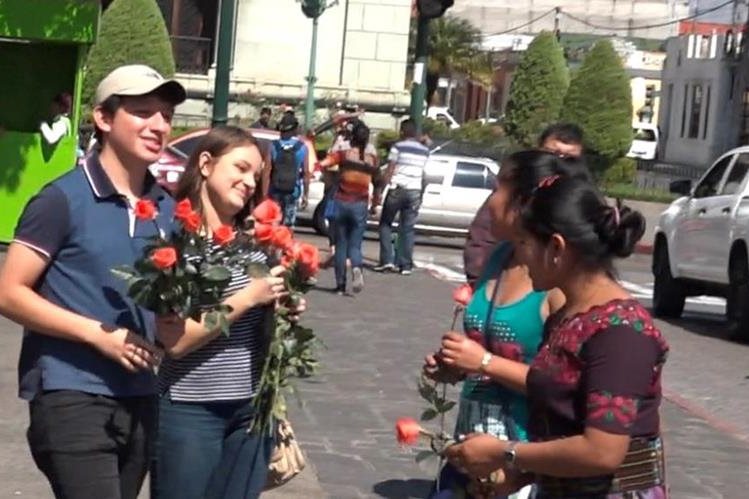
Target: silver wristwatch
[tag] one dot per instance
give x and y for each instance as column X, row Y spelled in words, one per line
column 510, row 454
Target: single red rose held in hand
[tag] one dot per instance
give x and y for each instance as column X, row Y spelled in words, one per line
column 164, row 258
column 192, row 222
column 407, row 431
column 282, row 237
column 463, row 294
column 263, row 233
column 308, row 257
column 267, row 212
column 145, row 209
column 183, row 209
column 224, row 235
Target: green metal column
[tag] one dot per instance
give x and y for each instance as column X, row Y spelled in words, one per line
column 223, row 63
column 419, row 87
column 309, row 108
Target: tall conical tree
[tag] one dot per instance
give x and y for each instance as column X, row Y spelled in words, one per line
column 538, row 89
column 600, row 101
column 131, row 32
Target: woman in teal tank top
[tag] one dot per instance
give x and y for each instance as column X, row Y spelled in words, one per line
column 505, row 318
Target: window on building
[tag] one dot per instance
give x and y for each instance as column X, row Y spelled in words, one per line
column 702, row 50
column 695, row 111
column 744, row 130
column 684, row 111
column 707, row 114
column 690, row 46
column 192, row 29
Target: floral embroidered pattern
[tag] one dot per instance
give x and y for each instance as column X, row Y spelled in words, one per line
column 612, row 409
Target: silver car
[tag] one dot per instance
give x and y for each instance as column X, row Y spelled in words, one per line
column 455, row 187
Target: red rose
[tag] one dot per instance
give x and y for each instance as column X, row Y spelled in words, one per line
column 192, row 221
column 287, row 262
column 145, row 209
column 407, row 431
column 308, row 257
column 281, row 237
column 463, row 294
column 183, row 209
column 224, row 235
column 263, row 233
column 164, row 258
column 267, row 212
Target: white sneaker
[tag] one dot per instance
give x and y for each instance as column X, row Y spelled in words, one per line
column 388, row 267
column 406, row 272
column 357, row 281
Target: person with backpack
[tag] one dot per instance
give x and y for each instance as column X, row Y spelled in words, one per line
column 289, row 178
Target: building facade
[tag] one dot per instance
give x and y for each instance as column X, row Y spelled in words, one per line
column 361, row 55
column 704, row 98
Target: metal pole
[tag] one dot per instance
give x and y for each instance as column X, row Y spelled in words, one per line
column 223, row 63
column 309, row 108
column 343, row 43
column 419, row 88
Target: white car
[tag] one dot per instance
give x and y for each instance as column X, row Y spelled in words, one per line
column 442, row 114
column 645, row 142
column 701, row 242
column 455, row 187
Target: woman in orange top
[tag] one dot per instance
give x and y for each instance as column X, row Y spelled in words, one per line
column 357, row 167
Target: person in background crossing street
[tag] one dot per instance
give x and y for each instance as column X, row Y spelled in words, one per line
column 405, row 176
column 289, row 175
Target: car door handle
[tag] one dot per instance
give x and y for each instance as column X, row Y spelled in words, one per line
column 726, row 210
column 433, row 189
column 702, row 211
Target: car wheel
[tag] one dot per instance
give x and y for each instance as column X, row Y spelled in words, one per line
column 668, row 293
column 319, row 222
column 738, row 296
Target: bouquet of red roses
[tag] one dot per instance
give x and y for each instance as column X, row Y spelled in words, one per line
column 291, row 347
column 180, row 276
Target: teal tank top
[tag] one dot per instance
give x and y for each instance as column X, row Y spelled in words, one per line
column 515, row 331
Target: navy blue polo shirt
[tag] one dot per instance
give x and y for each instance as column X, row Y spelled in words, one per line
column 85, row 228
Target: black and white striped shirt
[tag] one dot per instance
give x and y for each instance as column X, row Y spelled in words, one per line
column 227, row 368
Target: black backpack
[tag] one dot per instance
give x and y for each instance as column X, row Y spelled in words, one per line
column 285, row 171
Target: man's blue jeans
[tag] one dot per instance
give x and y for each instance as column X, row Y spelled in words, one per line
column 407, row 203
column 288, row 204
column 350, row 224
column 203, row 451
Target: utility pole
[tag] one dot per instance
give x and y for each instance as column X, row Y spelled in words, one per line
column 428, row 10
column 223, row 63
column 419, row 86
column 313, row 9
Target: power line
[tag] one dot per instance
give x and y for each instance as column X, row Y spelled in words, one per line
column 522, row 25
column 648, row 26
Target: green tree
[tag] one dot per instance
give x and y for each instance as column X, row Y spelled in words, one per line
column 600, row 101
column 454, row 44
column 538, row 88
column 131, row 32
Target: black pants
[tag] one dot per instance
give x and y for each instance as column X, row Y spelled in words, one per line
column 91, row 446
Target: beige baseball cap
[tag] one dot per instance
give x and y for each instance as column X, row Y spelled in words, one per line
column 138, row 79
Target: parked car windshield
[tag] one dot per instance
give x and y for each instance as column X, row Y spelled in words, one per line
column 644, row 134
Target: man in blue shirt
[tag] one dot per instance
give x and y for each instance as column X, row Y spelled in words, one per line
column 88, row 358
column 289, row 176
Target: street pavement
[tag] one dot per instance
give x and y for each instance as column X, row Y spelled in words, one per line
column 374, row 345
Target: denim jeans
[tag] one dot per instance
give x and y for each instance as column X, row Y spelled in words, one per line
column 350, row 224
column 203, row 451
column 288, row 204
column 407, row 203
column 91, row 445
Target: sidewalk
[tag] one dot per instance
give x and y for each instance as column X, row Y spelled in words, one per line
column 375, row 343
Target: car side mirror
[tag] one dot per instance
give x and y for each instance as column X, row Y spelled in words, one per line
column 683, row 187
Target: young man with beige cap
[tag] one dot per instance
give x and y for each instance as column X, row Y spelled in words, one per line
column 87, row 360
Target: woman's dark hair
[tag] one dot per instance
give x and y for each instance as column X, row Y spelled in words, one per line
column 575, row 209
column 360, row 137
column 524, row 170
column 217, row 142
column 65, row 102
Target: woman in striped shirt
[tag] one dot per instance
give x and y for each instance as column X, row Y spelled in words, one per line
column 208, row 380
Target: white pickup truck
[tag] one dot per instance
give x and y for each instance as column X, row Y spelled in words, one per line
column 701, row 242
